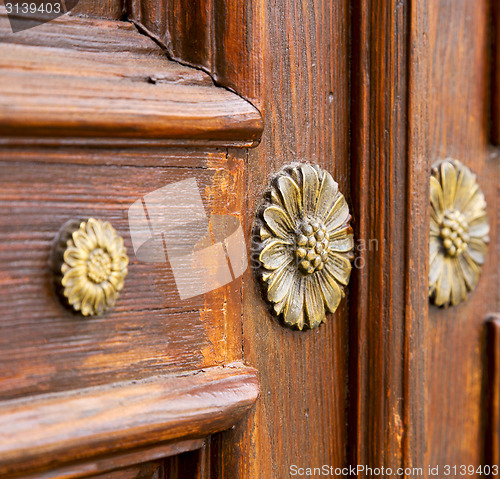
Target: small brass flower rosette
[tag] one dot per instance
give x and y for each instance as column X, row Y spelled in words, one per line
column 303, row 245
column 90, row 264
column 458, row 233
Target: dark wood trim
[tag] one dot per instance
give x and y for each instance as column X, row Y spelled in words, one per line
column 221, row 37
column 76, row 78
column 47, row 431
column 118, row 461
column 389, row 176
column 495, row 70
column 492, row 440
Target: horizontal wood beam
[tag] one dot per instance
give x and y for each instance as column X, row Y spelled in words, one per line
column 103, row 80
column 50, row 430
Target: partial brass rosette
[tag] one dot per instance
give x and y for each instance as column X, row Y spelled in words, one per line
column 458, row 233
column 303, row 245
column 90, row 264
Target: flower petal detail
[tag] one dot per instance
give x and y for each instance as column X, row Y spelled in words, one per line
column 93, row 265
column 94, row 231
column 281, row 283
column 341, row 240
column 479, row 227
column 443, row 287
column 449, row 182
column 434, row 226
column 274, row 254
column 436, row 269
column 458, row 289
column 330, row 291
column 82, row 241
column 327, row 192
column 477, row 250
column 293, row 314
column 470, row 270
column 436, row 193
column 109, row 293
column 338, row 214
column 74, row 274
column 458, row 233
column 314, row 302
column 340, row 267
column 74, row 256
column 466, row 188
column 434, row 247
column 278, row 221
column 310, row 188
column 305, row 245
column 292, row 198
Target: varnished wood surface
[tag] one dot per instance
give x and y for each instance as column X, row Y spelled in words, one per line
column 492, row 399
column 455, row 338
column 109, row 419
column 301, row 416
column 389, row 176
column 148, row 470
column 224, row 38
column 495, row 72
column 46, row 348
column 121, row 461
column 109, row 9
column 75, row 77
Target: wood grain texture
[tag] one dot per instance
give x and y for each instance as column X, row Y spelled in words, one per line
column 109, row 419
column 224, row 38
column 190, row 465
column 495, row 73
column 455, row 340
column 74, row 77
column 390, row 205
column 148, row 470
column 44, row 347
column 492, row 403
column 108, row 9
column 120, row 461
column 301, row 416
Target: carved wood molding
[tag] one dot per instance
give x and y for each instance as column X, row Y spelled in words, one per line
column 492, row 452
column 98, row 82
column 87, row 423
column 387, row 370
column 495, row 80
column 222, row 37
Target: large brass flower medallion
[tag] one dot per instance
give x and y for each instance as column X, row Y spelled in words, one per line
column 304, row 245
column 458, row 233
column 90, row 266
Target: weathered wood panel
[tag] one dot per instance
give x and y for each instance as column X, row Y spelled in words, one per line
column 224, row 38
column 75, row 77
column 43, row 346
column 455, row 340
column 105, row 420
column 301, row 417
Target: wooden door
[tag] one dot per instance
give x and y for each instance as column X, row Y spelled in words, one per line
column 116, row 100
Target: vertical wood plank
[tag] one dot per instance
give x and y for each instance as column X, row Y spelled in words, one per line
column 495, row 70
column 389, row 164
column 109, row 9
column 492, row 451
column 223, row 37
column 300, row 418
column 455, row 340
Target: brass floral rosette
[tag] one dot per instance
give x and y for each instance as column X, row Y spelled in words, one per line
column 458, row 233
column 303, row 245
column 90, row 264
